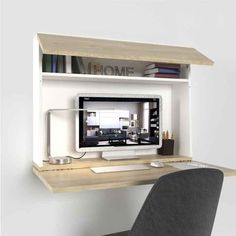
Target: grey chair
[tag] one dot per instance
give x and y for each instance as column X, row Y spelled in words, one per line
column 183, row 203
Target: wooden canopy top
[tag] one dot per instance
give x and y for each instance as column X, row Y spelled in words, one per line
column 121, row 50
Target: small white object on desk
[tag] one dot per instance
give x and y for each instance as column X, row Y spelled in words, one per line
column 157, row 164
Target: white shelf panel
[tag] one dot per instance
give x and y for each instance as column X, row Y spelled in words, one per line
column 110, row 78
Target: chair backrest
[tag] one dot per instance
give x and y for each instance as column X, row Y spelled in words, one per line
column 183, row 203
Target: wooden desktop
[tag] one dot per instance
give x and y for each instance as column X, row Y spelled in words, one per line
column 78, row 176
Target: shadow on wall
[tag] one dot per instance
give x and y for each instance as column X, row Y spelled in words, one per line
column 116, row 210
column 91, row 213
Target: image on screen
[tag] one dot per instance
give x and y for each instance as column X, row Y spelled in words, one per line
column 110, row 121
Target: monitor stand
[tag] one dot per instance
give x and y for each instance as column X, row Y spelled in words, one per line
column 127, row 154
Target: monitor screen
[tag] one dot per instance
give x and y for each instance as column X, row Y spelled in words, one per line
column 111, row 121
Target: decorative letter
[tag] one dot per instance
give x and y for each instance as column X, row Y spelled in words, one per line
column 129, row 70
column 107, row 69
column 117, row 72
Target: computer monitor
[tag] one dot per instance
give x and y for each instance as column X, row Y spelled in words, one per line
column 118, row 122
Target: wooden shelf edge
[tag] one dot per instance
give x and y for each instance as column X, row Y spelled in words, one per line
column 230, row 173
column 36, row 172
column 92, row 187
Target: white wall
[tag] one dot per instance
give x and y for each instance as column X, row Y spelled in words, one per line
column 208, row 25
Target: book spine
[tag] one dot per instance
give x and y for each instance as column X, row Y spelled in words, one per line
column 162, row 65
column 74, row 65
column 150, row 66
column 161, row 70
column 60, row 64
column 68, row 64
column 54, row 63
column 64, row 64
column 81, row 65
column 47, row 61
column 160, row 75
column 77, row 65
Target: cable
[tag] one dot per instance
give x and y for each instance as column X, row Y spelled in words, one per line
column 77, row 157
column 71, row 157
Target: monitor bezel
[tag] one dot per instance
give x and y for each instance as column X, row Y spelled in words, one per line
column 115, row 148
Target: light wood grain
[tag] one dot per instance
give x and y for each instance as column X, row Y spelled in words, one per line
column 84, row 179
column 96, row 162
column 122, row 50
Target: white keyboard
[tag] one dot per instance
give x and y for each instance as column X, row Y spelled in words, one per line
column 188, row 165
column 108, row 169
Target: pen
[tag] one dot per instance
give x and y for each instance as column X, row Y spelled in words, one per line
column 167, row 134
column 163, row 135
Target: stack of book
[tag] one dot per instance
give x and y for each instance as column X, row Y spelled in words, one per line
column 162, row 70
column 63, row 64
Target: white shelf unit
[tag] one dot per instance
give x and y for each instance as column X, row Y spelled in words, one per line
column 58, row 90
column 110, row 78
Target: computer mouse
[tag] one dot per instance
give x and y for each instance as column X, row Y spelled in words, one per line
column 157, row 164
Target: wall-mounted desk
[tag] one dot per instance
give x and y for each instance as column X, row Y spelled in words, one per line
column 57, row 90
column 78, row 176
column 52, row 90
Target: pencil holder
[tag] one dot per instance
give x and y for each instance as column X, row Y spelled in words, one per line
column 167, row 147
